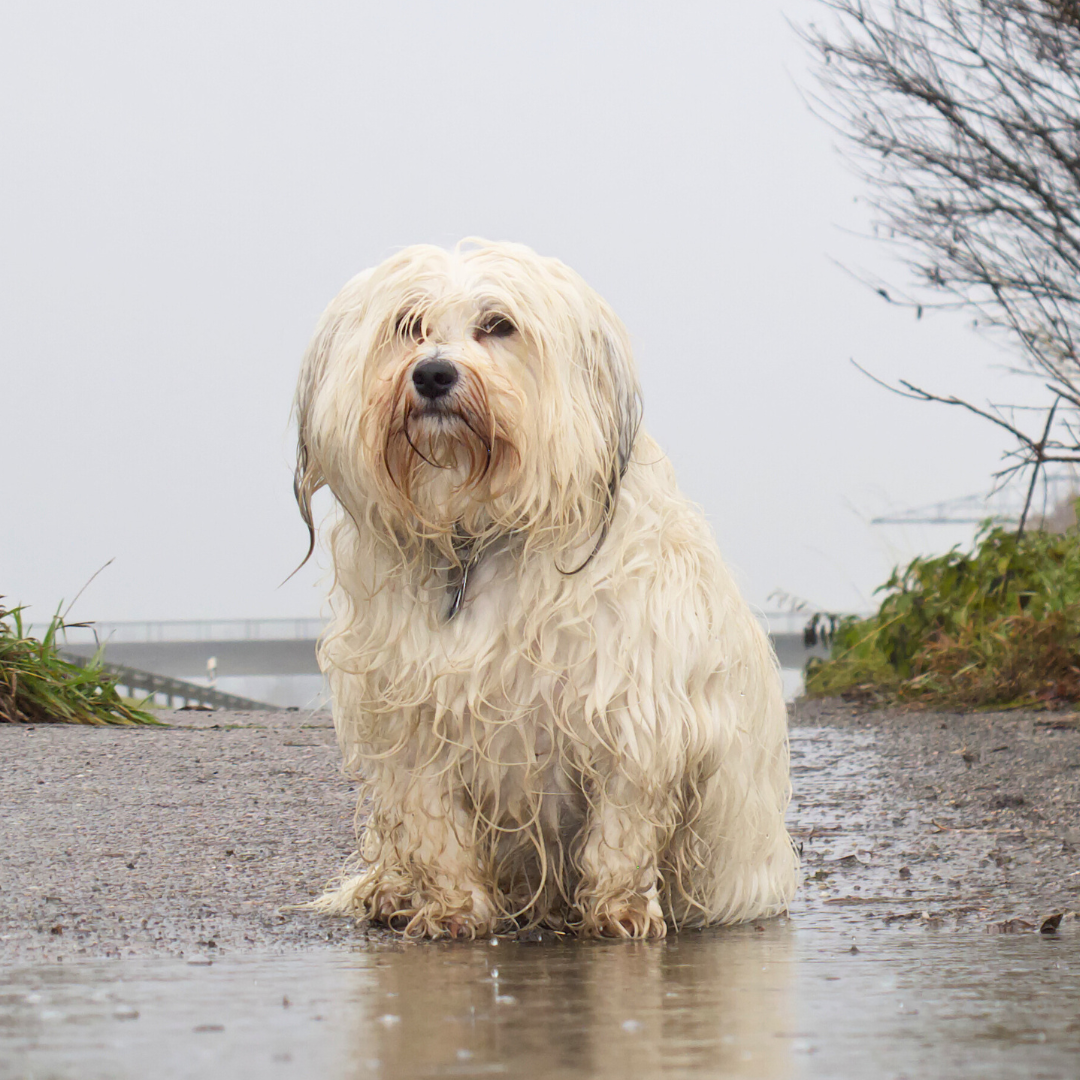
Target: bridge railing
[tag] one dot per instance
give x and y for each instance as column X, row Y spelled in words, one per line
column 170, row 630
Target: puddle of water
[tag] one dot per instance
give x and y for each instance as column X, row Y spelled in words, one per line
column 768, row 1003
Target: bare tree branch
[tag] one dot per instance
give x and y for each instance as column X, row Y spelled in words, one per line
column 963, row 117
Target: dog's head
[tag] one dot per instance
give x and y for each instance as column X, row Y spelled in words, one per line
column 473, row 392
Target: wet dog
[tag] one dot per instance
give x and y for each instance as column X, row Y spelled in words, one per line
column 560, row 708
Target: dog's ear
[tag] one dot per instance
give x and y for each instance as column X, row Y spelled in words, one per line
column 616, row 400
column 308, row 477
column 345, row 310
column 626, row 394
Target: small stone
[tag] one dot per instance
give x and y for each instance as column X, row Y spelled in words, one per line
column 388, row 1020
column 631, row 1025
column 126, row 1012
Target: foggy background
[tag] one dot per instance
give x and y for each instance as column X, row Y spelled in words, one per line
column 184, row 187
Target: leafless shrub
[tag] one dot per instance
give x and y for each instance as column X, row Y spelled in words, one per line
column 964, row 118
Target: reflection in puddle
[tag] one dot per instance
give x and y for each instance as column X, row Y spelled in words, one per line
column 772, row 1003
column 693, row 1005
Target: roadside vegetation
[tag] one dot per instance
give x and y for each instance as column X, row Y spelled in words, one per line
column 996, row 627
column 38, row 686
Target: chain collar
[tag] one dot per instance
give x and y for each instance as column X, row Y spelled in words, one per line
column 468, row 550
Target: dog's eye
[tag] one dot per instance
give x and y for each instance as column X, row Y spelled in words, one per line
column 409, row 325
column 496, row 326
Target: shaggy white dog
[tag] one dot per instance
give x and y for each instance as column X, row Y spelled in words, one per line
column 560, row 708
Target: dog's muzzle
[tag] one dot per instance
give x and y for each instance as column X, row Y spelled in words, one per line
column 434, row 379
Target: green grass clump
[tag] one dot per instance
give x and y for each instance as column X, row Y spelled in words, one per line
column 37, row 686
column 996, row 627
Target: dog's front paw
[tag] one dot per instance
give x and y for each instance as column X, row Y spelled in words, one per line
column 432, row 921
column 636, row 916
column 414, row 907
column 441, row 918
column 419, row 912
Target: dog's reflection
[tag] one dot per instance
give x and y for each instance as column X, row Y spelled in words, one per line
column 705, row 1003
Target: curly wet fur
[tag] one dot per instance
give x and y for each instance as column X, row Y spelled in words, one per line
column 597, row 739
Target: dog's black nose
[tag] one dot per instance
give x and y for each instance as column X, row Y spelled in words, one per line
column 434, row 378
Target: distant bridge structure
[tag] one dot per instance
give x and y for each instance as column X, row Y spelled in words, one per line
column 181, row 648
column 177, row 693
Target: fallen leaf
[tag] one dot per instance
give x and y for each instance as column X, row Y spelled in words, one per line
column 1051, row 923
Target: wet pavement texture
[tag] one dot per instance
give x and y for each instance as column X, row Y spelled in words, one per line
column 145, row 874
column 957, row 822
column 776, row 1002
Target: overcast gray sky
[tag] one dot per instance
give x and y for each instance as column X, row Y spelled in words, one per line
column 185, row 186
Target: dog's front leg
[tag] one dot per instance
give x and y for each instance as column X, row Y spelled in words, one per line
column 424, row 875
column 617, row 894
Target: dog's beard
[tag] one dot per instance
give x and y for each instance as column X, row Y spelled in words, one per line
column 457, row 440
column 445, row 459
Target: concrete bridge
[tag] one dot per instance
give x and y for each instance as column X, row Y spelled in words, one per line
column 182, row 648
